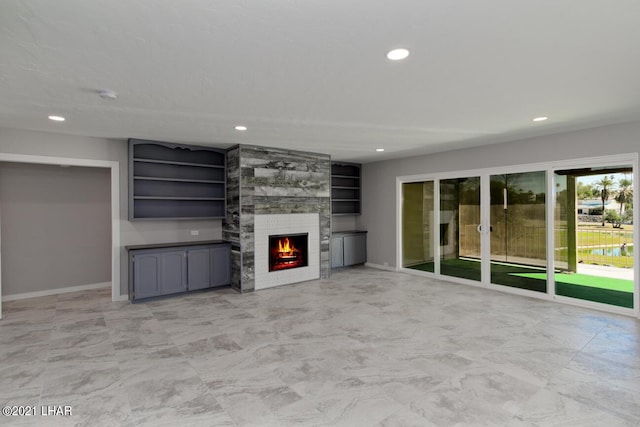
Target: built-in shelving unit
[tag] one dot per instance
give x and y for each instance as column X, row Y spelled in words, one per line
column 345, row 188
column 174, row 181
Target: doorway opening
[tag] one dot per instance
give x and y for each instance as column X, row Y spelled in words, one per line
column 113, row 166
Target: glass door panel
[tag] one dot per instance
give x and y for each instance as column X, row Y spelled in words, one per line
column 418, row 226
column 518, row 230
column 460, row 251
column 594, row 252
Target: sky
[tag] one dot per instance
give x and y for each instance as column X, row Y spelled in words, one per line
column 594, row 178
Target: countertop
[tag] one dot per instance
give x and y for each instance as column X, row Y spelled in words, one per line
column 174, row 244
column 347, row 233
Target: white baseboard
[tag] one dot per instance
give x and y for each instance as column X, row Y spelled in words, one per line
column 380, row 267
column 56, row 291
column 124, row 297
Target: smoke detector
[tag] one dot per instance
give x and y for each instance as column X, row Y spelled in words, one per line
column 107, row 94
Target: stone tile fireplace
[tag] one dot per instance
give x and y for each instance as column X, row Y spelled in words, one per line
column 274, row 194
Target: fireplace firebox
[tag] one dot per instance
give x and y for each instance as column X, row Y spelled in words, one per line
column 288, row 251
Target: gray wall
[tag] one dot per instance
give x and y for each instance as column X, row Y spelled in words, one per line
column 56, row 227
column 379, row 178
column 344, row 223
column 137, row 232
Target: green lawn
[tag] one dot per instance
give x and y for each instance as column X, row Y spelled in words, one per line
column 605, row 290
column 584, row 280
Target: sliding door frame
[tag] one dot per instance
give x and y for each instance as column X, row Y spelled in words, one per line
column 549, row 168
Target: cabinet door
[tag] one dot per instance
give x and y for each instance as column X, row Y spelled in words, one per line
column 173, row 272
column 337, row 252
column 220, row 266
column 355, row 249
column 198, row 269
column 146, row 275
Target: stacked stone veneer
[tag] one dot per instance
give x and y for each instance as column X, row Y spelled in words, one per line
column 263, row 180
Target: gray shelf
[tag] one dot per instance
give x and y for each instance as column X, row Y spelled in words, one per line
column 176, row 198
column 154, row 178
column 345, row 188
column 165, row 162
column 174, row 181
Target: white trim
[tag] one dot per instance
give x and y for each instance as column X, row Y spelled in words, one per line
column 123, row 297
column 550, row 221
column 399, row 241
column 485, row 231
column 49, row 160
column 594, row 305
column 114, row 167
column 115, row 230
column 415, row 272
column 0, row 263
column 437, row 250
column 636, row 235
column 48, row 292
column 380, row 267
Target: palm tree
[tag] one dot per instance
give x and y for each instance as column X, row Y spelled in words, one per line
column 625, row 193
column 604, row 186
column 584, row 191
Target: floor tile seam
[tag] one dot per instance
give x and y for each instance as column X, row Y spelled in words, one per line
column 209, row 391
column 612, row 382
column 499, row 367
column 136, row 414
column 420, row 412
column 353, row 401
column 597, row 356
column 585, row 346
column 595, row 404
column 237, row 422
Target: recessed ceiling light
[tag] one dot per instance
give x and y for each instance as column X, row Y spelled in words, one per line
column 398, row 54
column 107, row 94
column 241, row 127
column 540, row 119
column 379, row 150
column 56, row 118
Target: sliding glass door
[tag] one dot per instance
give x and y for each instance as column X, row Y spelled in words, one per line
column 460, row 248
column 519, row 230
column 562, row 232
column 418, row 226
column 594, row 244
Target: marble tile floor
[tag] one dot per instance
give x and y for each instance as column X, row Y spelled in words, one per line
column 363, row 348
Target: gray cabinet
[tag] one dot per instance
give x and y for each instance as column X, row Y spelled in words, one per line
column 156, row 270
column 159, row 273
column 348, row 248
column 173, row 272
column 220, row 266
column 337, row 252
column 146, row 275
column 198, row 269
column 355, row 249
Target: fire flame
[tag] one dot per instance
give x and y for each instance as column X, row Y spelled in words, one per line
column 285, row 247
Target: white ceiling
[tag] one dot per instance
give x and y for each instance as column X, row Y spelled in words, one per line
column 312, row 74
